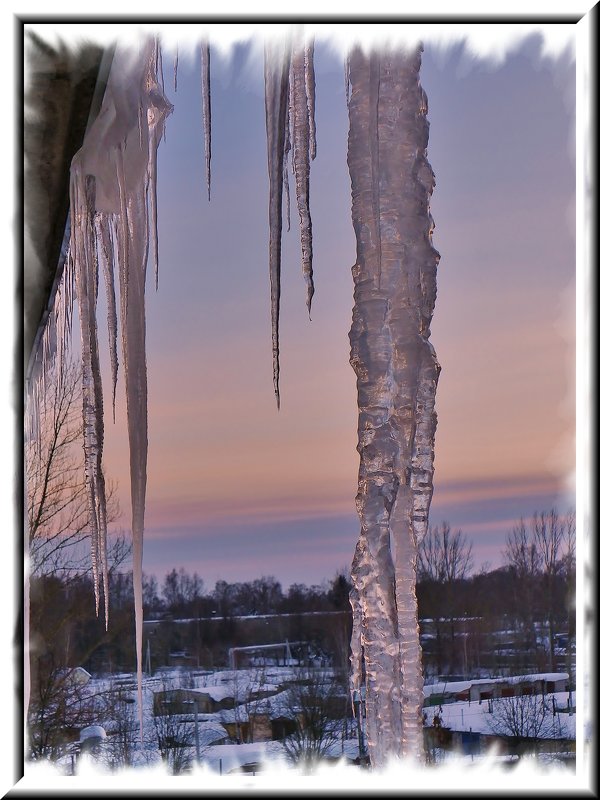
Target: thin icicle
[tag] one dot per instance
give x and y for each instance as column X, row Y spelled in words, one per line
column 277, row 68
column 158, row 61
column 175, row 66
column 309, row 81
column 206, row 115
column 152, row 159
column 106, row 252
column 347, row 79
column 286, row 174
column 302, row 143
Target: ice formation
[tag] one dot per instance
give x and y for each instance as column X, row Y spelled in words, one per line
column 302, row 136
column 114, row 220
column 290, row 122
column 84, row 256
column 397, row 372
column 205, row 59
column 113, row 208
column 277, row 68
column 104, row 239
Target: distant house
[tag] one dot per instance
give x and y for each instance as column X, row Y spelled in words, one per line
column 76, row 676
column 482, row 689
column 208, row 700
column 268, row 719
column 180, row 658
column 472, row 728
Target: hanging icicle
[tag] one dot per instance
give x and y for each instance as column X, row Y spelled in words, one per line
column 289, row 105
column 206, row 115
column 286, row 174
column 113, row 206
column 309, row 82
column 277, row 69
column 347, row 79
column 397, row 372
column 83, row 250
column 303, row 146
column 52, row 343
column 106, row 256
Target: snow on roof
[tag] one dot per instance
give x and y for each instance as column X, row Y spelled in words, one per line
column 216, row 693
column 276, row 707
column 538, row 676
column 92, row 732
column 475, row 716
column 447, row 688
column 343, row 747
column 210, row 732
column 456, row 687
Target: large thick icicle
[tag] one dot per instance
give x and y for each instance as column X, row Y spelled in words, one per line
column 397, row 372
column 206, row 115
column 302, row 137
column 113, row 183
column 277, row 67
column 84, row 253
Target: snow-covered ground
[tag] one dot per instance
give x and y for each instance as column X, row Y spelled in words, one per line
column 479, row 717
column 269, row 691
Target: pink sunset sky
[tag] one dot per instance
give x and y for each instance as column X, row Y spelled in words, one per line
column 236, row 489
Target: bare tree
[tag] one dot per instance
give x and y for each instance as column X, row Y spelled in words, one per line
column 315, row 704
column 444, row 559
column 568, row 569
column 122, row 727
column 522, row 718
column 175, row 737
column 522, row 557
column 182, row 592
column 62, row 707
column 444, row 555
column 57, row 505
column 549, row 532
column 541, row 553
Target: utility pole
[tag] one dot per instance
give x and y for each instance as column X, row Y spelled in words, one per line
column 358, row 713
column 148, row 661
column 196, row 732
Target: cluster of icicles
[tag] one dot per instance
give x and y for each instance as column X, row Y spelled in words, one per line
column 113, row 226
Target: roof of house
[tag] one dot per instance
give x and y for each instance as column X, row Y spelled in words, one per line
column 456, row 687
